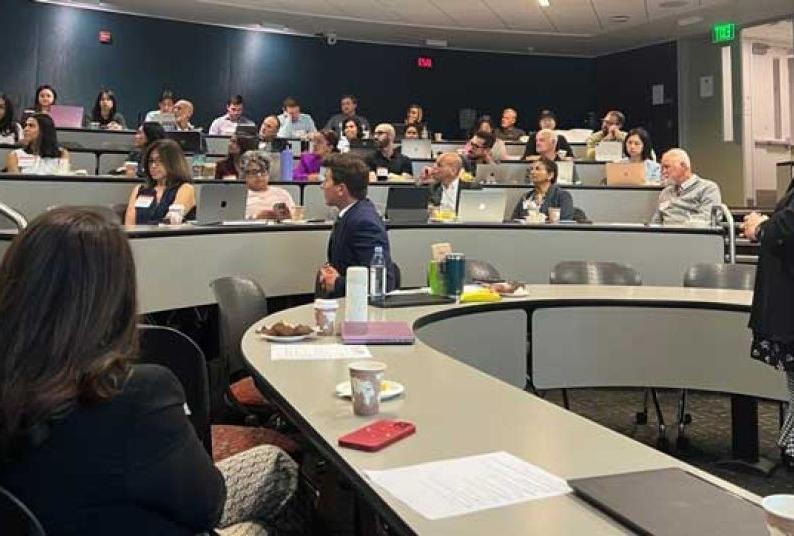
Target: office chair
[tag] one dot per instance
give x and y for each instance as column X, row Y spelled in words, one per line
column 477, row 270
column 17, row 519
column 719, row 276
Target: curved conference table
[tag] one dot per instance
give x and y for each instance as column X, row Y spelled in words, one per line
column 458, row 378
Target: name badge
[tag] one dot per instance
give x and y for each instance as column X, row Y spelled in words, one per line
column 664, row 205
column 25, row 161
column 144, row 201
column 298, row 133
column 382, row 172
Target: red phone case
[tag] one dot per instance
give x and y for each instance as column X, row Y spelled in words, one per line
column 377, row 435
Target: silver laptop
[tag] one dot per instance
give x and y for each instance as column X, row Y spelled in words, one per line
column 379, row 196
column 481, row 206
column 217, row 203
column 609, row 151
column 504, row 173
column 414, row 149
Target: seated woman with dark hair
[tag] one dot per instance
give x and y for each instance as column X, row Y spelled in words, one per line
column 637, row 148
column 264, row 202
column 40, row 154
column 351, row 131
column 308, row 169
column 44, row 99
column 105, row 112
column 545, row 193
column 147, row 133
column 110, row 438
column 229, row 168
column 168, row 182
column 413, row 131
column 10, row 130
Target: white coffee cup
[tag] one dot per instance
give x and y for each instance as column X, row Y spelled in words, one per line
column 554, row 215
column 365, row 380
column 325, row 315
column 176, row 212
column 779, row 514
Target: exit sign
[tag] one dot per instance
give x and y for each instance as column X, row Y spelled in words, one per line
column 723, row 32
column 424, row 62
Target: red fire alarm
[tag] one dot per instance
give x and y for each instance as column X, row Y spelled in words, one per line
column 424, row 62
column 105, row 37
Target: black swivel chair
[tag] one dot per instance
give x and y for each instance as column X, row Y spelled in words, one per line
column 477, row 270
column 719, row 276
column 15, row 518
column 160, row 345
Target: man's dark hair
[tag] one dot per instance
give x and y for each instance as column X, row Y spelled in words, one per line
column 487, row 138
column 350, row 170
column 351, row 97
column 237, row 99
column 289, row 102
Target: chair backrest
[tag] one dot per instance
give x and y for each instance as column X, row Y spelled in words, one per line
column 398, row 275
column 161, row 345
column 16, row 518
column 594, row 273
column 108, row 212
column 477, row 270
column 717, row 275
column 241, row 302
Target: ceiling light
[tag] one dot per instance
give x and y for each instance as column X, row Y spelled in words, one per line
column 673, row 3
column 619, row 18
column 543, row 3
column 688, row 21
column 435, row 42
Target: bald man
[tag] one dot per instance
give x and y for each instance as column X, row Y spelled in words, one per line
column 183, row 111
column 386, row 162
column 445, row 182
column 686, row 194
column 507, row 130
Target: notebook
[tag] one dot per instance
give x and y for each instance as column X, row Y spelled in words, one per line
column 377, row 333
column 411, row 300
column 671, row 502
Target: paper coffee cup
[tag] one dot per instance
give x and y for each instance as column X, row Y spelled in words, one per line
column 175, row 213
column 298, row 212
column 130, row 168
column 779, row 514
column 325, row 315
column 554, row 215
column 365, row 380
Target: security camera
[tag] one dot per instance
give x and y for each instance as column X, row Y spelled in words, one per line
column 330, row 38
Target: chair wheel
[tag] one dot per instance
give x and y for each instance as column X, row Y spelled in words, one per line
column 641, row 417
column 687, row 418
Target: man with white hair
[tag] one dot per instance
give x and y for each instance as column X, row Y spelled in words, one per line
column 545, row 145
column 387, row 163
column 507, row 130
column 686, row 194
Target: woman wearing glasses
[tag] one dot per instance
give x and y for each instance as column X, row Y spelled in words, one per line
column 264, row 201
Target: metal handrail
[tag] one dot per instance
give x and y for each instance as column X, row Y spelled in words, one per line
column 726, row 214
column 18, row 219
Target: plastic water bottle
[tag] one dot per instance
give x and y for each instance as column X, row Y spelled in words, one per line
column 197, row 164
column 286, row 164
column 377, row 276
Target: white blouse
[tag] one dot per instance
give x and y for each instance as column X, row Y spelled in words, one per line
column 30, row 164
column 12, row 138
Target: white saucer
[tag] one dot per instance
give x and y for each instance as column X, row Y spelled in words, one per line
column 390, row 389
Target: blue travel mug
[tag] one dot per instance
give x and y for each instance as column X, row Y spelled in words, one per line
column 454, row 273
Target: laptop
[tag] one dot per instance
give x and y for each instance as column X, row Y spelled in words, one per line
column 407, row 204
column 609, row 151
column 489, row 174
column 625, row 173
column 481, row 206
column 216, row 203
column 67, row 116
column 188, row 140
column 416, row 149
column 377, row 333
column 671, row 502
column 246, row 130
column 379, row 195
column 167, row 120
column 565, row 171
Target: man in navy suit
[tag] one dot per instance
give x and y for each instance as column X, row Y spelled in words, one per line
column 357, row 230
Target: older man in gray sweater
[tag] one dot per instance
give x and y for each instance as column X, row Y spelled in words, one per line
column 686, row 195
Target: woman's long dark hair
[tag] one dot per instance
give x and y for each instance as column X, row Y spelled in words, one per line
column 7, row 123
column 645, row 138
column 172, row 159
column 67, row 322
column 96, row 113
column 478, row 123
column 551, row 168
column 36, row 105
column 46, row 146
column 359, row 127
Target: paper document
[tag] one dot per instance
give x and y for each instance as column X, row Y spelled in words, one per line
column 464, row 485
column 310, row 352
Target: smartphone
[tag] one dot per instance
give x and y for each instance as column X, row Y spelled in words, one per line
column 377, row 435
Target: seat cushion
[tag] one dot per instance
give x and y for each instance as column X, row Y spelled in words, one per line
column 246, row 393
column 228, row 439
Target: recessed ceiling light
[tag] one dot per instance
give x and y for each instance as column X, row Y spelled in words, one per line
column 619, row 18
column 688, row 21
column 543, row 3
column 435, row 42
column 673, row 3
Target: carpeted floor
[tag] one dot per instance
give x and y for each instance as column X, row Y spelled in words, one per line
column 709, row 434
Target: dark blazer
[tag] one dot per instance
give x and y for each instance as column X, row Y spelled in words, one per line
column 556, row 197
column 132, row 465
column 353, row 240
column 772, row 314
column 562, row 145
column 437, row 191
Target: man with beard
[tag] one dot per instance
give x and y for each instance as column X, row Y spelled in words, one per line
column 386, row 163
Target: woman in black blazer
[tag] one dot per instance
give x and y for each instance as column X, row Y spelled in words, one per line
column 772, row 316
column 545, row 192
column 89, row 441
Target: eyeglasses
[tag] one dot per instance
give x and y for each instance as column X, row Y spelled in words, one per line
column 255, row 172
column 477, row 146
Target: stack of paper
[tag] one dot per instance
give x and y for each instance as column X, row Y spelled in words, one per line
column 310, row 352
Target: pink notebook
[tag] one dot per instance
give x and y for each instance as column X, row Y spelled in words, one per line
column 377, row 333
